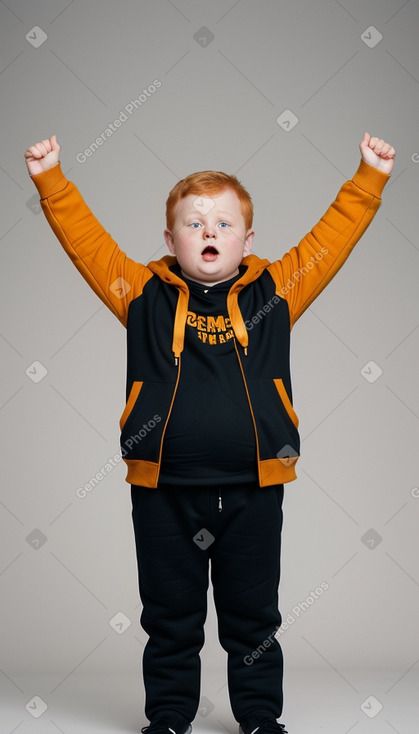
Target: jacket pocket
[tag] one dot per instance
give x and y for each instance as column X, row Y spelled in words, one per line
column 132, row 399
column 286, row 401
column 275, row 419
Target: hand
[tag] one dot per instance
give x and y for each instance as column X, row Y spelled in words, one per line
column 42, row 156
column 377, row 153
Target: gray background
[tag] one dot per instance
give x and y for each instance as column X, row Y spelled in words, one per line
column 351, row 517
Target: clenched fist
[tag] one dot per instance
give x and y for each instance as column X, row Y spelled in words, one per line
column 42, row 156
column 377, row 153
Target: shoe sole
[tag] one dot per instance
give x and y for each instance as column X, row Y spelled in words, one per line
column 254, row 730
column 242, row 732
column 187, row 731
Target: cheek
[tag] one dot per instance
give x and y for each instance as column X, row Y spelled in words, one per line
column 235, row 247
column 187, row 239
column 184, row 250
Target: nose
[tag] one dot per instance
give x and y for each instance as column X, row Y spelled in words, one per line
column 209, row 231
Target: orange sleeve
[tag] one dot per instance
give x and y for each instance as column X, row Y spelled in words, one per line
column 303, row 272
column 113, row 276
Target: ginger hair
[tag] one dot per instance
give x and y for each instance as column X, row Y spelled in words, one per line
column 208, row 183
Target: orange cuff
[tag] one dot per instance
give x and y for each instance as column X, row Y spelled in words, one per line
column 50, row 182
column 370, row 179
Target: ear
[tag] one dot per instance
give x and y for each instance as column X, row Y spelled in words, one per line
column 248, row 242
column 169, row 240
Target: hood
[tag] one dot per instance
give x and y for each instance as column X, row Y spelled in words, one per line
column 161, row 268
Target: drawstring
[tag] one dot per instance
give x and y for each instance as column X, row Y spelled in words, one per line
column 179, row 324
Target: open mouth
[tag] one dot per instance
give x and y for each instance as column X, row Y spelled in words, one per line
column 209, row 253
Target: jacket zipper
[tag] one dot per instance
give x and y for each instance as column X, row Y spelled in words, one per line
column 250, row 404
column 220, row 504
column 178, row 364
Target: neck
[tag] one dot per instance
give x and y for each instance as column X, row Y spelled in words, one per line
column 213, row 282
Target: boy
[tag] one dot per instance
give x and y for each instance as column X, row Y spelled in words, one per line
column 208, row 432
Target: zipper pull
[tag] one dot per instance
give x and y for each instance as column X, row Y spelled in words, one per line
column 220, row 507
column 176, row 361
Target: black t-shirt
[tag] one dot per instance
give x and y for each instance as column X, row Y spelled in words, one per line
column 210, row 437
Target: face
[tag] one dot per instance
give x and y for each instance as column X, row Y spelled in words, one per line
column 209, row 238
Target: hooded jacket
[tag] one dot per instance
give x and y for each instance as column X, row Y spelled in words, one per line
column 263, row 305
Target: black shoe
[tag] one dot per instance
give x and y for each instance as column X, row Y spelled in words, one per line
column 161, row 727
column 261, row 724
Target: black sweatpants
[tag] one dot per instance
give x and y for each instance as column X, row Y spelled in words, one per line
column 178, row 530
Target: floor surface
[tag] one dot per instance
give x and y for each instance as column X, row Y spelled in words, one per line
column 315, row 702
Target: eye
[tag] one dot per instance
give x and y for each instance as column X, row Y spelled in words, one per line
column 226, row 224
column 192, row 224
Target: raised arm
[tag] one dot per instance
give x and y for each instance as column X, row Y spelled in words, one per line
column 303, row 272
column 114, row 277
